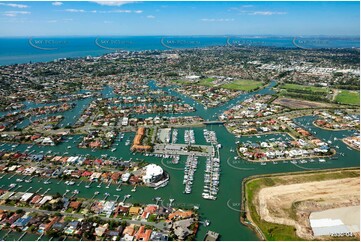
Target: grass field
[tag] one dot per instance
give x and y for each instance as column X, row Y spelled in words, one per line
column 348, row 97
column 274, row 231
column 206, row 82
column 203, row 82
column 243, row 85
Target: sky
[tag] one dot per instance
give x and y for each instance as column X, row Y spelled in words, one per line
column 63, row 18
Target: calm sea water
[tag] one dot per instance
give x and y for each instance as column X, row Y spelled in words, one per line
column 41, row 49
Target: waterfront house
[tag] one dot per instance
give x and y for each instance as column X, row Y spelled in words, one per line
column 49, row 225
column 12, row 218
column 45, row 200
column 21, row 222
column 158, row 236
column 36, row 199
column 71, row 227
column 75, row 205
column 134, row 210
column 180, row 214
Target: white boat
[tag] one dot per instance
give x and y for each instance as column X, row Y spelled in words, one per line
column 70, row 183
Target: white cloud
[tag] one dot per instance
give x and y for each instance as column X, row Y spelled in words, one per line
column 14, row 5
column 122, row 11
column 217, row 19
column 242, row 10
column 247, row 6
column 108, row 22
column 52, row 21
column 112, row 3
column 9, row 14
column 73, row 10
column 150, row 16
column 15, row 13
column 266, row 13
column 57, row 4
column 119, row 11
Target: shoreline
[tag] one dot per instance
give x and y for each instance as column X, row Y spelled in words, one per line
column 287, row 159
column 349, row 145
column 328, row 129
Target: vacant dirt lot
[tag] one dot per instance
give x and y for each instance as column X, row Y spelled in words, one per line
column 298, row 103
column 292, row 204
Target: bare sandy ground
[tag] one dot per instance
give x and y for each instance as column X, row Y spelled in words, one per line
column 297, row 103
column 292, row 204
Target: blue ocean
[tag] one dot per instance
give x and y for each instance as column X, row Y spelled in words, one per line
column 41, row 49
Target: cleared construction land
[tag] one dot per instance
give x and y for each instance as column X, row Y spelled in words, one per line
column 294, row 103
column 280, row 205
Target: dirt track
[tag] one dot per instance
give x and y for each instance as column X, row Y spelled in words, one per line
column 292, row 204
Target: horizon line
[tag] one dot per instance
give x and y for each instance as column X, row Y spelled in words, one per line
column 186, row 35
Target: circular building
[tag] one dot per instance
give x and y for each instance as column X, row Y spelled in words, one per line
column 153, row 174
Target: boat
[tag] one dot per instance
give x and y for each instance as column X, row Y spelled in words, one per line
column 118, row 188
column 114, row 149
column 134, row 189
column 69, row 183
column 19, row 180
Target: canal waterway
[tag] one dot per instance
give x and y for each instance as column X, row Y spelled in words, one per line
column 223, row 213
